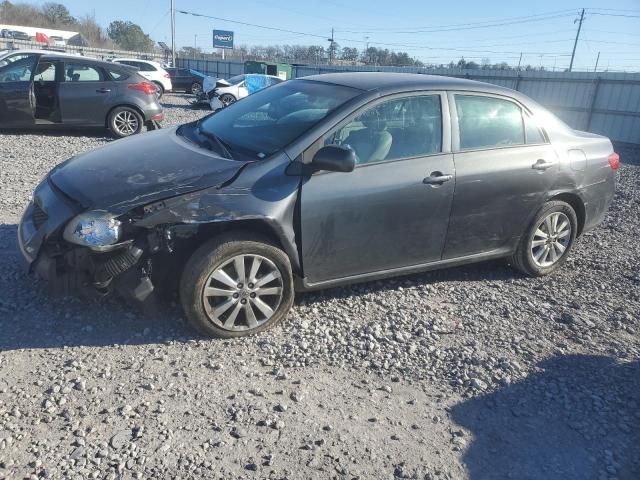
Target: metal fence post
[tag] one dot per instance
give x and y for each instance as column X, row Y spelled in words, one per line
column 594, row 97
column 518, row 78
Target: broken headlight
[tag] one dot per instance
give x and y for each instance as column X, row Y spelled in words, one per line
column 93, row 229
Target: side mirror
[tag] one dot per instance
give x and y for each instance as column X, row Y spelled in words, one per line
column 334, row 158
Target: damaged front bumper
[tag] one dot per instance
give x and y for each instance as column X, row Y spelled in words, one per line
column 70, row 269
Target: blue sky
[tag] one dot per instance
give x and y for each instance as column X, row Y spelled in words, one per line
column 542, row 30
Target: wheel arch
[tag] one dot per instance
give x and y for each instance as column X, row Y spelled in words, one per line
column 261, row 226
column 577, row 204
column 128, row 105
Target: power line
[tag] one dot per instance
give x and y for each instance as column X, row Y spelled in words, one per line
column 265, row 27
column 614, row 15
column 469, row 26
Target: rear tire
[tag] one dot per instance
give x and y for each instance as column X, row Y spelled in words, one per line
column 160, row 89
column 124, row 122
column 548, row 240
column 210, row 303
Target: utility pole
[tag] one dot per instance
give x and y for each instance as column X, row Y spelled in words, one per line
column 368, row 59
column 597, row 60
column 575, row 44
column 520, row 60
column 195, row 44
column 173, row 33
column 331, row 47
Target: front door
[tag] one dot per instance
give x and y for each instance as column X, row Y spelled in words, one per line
column 504, row 167
column 17, row 101
column 392, row 210
column 85, row 94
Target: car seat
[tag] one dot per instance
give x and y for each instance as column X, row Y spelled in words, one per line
column 373, row 142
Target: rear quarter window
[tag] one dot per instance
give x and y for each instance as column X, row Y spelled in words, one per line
column 118, row 75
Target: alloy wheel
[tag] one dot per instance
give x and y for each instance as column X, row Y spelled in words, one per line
column 196, row 88
column 551, row 239
column 243, row 293
column 227, row 100
column 126, row 122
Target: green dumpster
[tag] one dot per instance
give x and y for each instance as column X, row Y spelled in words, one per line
column 282, row 70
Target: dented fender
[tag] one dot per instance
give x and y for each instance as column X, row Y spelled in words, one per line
column 261, row 191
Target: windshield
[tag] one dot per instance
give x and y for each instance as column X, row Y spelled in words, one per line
column 236, row 80
column 269, row 120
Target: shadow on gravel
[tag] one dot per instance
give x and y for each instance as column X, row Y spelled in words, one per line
column 30, row 318
column 577, row 418
column 491, row 270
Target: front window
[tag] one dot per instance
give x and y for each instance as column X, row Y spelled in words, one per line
column 401, row 128
column 46, row 72
column 75, row 72
column 18, row 71
column 14, row 58
column 266, row 122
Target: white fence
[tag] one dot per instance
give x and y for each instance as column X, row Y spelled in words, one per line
column 602, row 102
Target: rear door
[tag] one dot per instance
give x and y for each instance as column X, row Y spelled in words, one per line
column 504, row 167
column 85, row 93
column 17, row 101
column 392, row 210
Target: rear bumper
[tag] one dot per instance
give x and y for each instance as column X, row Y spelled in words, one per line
column 597, row 199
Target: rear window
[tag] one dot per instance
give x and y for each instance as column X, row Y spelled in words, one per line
column 147, row 67
column 486, row 122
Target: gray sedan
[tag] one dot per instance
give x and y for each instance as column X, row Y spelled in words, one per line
column 45, row 91
column 319, row 182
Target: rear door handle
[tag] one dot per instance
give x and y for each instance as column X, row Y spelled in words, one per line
column 436, row 178
column 542, row 164
column 103, row 90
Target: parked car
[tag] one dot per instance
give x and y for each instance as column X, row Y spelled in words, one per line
column 318, row 182
column 222, row 93
column 14, row 34
column 151, row 71
column 186, row 79
column 40, row 91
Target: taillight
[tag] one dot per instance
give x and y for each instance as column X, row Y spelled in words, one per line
column 146, row 87
column 614, row 161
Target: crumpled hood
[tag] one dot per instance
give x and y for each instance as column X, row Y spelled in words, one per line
column 139, row 170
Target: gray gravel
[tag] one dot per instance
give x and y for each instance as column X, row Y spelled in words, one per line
column 473, row 372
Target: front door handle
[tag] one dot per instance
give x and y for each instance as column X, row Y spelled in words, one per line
column 542, row 164
column 103, row 90
column 437, row 178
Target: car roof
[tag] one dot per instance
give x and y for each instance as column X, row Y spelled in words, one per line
column 119, row 59
column 41, row 51
column 101, row 63
column 403, row 81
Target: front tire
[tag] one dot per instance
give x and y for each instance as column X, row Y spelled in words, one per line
column 546, row 244
column 124, row 122
column 235, row 285
column 195, row 89
column 227, row 99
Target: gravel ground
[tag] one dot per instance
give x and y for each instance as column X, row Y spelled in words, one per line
column 473, row 372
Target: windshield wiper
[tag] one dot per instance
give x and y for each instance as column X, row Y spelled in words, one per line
column 212, row 136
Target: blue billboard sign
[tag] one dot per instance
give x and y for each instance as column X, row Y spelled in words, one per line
column 222, row 39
